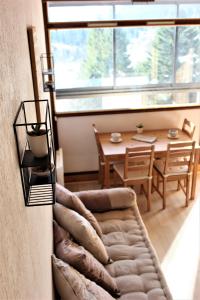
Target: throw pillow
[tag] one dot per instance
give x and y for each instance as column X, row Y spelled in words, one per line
column 70, row 200
column 72, row 285
column 82, row 231
column 84, row 262
column 59, row 234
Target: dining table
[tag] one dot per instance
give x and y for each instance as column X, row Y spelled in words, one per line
column 115, row 151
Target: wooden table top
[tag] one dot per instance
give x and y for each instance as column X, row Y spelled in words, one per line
column 110, row 148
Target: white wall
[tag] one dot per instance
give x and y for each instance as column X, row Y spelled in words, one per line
column 76, row 135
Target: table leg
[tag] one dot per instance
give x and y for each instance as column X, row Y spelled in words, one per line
column 194, row 176
column 107, row 174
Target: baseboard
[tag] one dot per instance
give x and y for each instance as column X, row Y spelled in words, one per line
column 81, row 176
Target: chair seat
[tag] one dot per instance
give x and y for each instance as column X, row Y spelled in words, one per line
column 139, row 175
column 171, row 171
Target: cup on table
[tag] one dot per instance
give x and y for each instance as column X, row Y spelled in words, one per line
column 173, row 132
column 115, row 136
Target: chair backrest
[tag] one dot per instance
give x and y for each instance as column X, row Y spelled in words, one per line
column 100, row 152
column 179, row 155
column 139, row 159
column 188, row 127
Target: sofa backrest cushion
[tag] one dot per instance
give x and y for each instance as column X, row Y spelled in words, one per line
column 70, row 200
column 72, row 285
column 82, row 231
column 107, row 199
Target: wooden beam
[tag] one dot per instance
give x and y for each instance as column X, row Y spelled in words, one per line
column 99, row 2
column 34, row 67
column 124, row 23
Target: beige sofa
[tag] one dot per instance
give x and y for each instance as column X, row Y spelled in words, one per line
column 132, row 270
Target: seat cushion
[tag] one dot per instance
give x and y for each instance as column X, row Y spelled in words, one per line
column 135, row 266
column 172, row 170
column 139, row 174
column 71, row 285
column 71, row 200
column 83, row 261
column 82, row 231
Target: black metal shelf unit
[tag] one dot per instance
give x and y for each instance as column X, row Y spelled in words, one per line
column 48, row 76
column 38, row 187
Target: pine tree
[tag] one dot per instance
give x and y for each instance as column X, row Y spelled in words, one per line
column 122, row 57
column 163, row 46
column 98, row 61
column 189, row 44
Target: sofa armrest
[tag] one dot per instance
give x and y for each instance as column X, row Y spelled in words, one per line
column 107, row 199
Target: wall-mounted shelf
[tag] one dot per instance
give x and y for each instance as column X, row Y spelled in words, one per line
column 37, row 173
column 48, row 77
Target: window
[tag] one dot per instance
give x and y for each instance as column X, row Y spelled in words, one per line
column 83, row 58
column 101, row 64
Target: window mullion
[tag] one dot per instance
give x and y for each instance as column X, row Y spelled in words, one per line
column 114, row 58
column 175, row 54
column 114, row 52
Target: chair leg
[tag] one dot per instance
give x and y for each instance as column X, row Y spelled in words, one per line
column 100, row 175
column 141, row 188
column 164, row 192
column 187, row 180
column 154, row 175
column 149, row 184
column 178, row 185
column 114, row 177
column 158, row 181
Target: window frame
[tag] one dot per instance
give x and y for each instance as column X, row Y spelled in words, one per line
column 114, row 24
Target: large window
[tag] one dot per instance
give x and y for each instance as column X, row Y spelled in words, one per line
column 126, row 57
column 111, row 61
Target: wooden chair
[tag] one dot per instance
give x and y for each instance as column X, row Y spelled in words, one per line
column 188, row 127
column 176, row 166
column 100, row 156
column 137, row 169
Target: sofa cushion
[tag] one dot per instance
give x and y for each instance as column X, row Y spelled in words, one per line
column 72, row 285
column 70, row 200
column 135, row 266
column 82, row 260
column 107, row 199
column 59, row 234
column 82, row 231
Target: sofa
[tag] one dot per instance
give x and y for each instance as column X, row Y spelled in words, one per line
column 102, row 249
